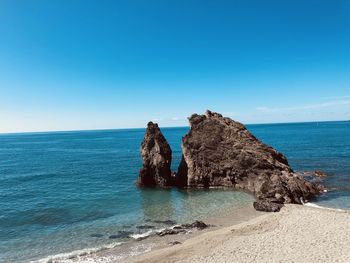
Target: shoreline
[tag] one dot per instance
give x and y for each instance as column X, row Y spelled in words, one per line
column 134, row 247
column 197, row 245
column 308, row 234
column 154, row 242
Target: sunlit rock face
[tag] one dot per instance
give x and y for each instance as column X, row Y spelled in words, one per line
column 156, row 159
column 218, row 151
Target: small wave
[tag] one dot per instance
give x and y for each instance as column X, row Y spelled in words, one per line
column 151, row 232
column 75, row 255
column 142, row 235
column 67, row 257
column 324, row 207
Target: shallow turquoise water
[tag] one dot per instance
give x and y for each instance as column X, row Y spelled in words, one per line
column 66, row 191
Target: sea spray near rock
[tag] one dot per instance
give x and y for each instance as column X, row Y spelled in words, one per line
column 220, row 152
column 326, row 208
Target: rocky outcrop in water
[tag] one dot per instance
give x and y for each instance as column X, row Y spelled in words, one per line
column 199, row 225
column 220, row 152
column 267, row 206
column 156, row 159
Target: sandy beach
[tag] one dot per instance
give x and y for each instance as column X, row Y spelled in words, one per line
column 296, row 234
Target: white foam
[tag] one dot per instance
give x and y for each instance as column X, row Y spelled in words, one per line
column 111, row 257
column 150, row 233
column 160, row 230
column 324, row 207
column 68, row 257
column 141, row 236
column 82, row 255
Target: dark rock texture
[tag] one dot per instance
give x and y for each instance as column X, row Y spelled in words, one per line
column 156, row 159
column 199, row 225
column 196, row 224
column 181, row 175
column 173, row 243
column 166, row 232
column 267, row 206
column 218, row 151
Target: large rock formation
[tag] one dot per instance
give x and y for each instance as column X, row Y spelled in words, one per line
column 156, row 159
column 218, row 151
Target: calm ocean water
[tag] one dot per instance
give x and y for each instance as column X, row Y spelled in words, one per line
column 67, row 191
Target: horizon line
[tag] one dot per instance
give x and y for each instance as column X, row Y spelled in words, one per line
column 162, row 127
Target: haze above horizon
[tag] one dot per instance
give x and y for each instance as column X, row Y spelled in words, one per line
column 84, row 65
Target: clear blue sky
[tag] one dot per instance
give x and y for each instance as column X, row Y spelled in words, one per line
column 111, row 64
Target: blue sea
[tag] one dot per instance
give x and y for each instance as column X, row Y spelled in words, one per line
column 62, row 192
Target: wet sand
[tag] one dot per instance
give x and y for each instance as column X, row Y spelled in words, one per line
column 296, row 234
column 128, row 251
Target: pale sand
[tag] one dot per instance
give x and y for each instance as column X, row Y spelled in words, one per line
column 296, row 234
